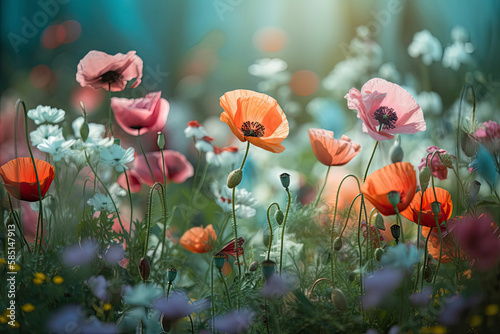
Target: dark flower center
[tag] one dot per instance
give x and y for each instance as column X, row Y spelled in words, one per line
column 253, row 129
column 111, row 76
column 386, row 118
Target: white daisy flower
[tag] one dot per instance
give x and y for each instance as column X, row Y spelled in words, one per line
column 244, row 201
column 116, row 156
column 57, row 147
column 194, row 129
column 426, row 45
column 101, row 202
column 46, row 114
column 204, row 144
column 45, row 131
column 267, row 67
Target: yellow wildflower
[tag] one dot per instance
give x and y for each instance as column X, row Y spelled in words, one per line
column 57, row 279
column 2, row 261
column 491, row 310
column 476, row 320
column 28, row 307
column 40, row 276
column 434, row 329
column 37, row 281
column 107, row 307
column 3, row 319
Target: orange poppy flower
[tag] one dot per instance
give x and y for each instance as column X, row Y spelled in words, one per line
column 20, row 180
column 198, row 239
column 449, row 243
column 256, row 118
column 400, row 177
column 330, row 151
column 427, row 217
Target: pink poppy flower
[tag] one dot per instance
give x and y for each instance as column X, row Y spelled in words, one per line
column 100, row 70
column 177, row 170
column 139, row 116
column 385, row 109
column 479, row 239
column 438, row 169
column 489, row 135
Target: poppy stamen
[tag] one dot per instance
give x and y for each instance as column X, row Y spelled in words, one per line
column 386, row 117
column 253, row 129
column 111, row 76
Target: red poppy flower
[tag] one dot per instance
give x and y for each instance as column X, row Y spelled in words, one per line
column 399, row 177
column 20, row 180
column 330, row 151
column 256, row 118
column 198, row 239
column 427, row 217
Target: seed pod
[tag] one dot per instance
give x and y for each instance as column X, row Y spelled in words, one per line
column 144, row 268
column 337, row 244
column 379, row 222
column 469, row 145
column 285, row 180
column 171, row 274
column 339, row 300
column 160, row 140
column 424, row 176
column 279, row 216
column 253, row 266
column 396, row 152
column 436, row 208
column 396, row 231
column 234, row 178
column 268, row 268
column 379, row 252
column 393, row 197
column 219, row 260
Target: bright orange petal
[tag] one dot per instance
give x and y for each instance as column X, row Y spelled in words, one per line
column 427, row 217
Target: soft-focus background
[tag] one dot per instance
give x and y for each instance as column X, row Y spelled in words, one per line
column 194, row 51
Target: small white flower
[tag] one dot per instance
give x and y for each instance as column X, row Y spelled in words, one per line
column 47, row 114
column 204, row 144
column 267, row 67
column 116, row 191
column 244, row 201
column 101, row 202
column 228, row 156
column 116, row 156
column 45, row 131
column 57, row 147
column 426, row 45
column 194, row 129
column 457, row 54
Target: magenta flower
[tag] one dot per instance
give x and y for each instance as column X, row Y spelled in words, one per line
column 100, row 70
column 177, row 169
column 438, row 169
column 385, row 109
column 139, row 116
column 479, row 238
column 489, row 135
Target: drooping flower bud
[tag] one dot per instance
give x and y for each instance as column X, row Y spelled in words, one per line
column 160, row 140
column 469, row 145
column 279, row 216
column 436, row 208
column 424, row 176
column 427, row 273
column 339, row 300
column 396, row 152
column 171, row 274
column 337, row 244
column 166, row 324
column 253, row 266
column 393, row 197
column 396, row 231
column 285, row 180
column 144, row 268
column 234, row 178
column 379, row 222
column 219, row 260
column 472, row 192
column 379, row 252
column 268, row 268
column 84, row 131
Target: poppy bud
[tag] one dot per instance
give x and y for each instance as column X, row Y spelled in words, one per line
column 285, row 180
column 219, row 260
column 144, row 268
column 446, row 160
column 393, row 197
column 378, row 254
column 379, row 222
column 278, row 215
column 165, row 323
column 161, row 140
column 84, row 131
column 339, row 300
column 424, row 176
column 268, row 268
column 473, row 190
column 337, row 244
column 396, row 231
column 253, row 266
column 396, row 152
column 234, row 178
column 427, row 273
column 469, row 145
column 171, row 274
column 436, row 208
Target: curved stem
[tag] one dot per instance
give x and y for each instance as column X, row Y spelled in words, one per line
column 425, row 256
column 359, row 246
column 225, row 286
column 131, row 203
column 318, row 197
column 145, row 157
column 370, row 161
column 18, row 222
column 283, row 231
column 349, row 213
column 246, row 154
column 270, row 227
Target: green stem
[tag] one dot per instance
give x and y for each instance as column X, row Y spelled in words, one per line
column 270, row 228
column 212, row 299
column 110, row 112
column 196, row 171
column 131, row 203
column 370, row 161
column 283, row 231
column 398, row 219
column 440, row 248
column 18, row 222
column 145, row 157
column 359, row 246
column 425, row 256
column 246, row 154
column 165, row 216
column 221, row 275
column 318, row 197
